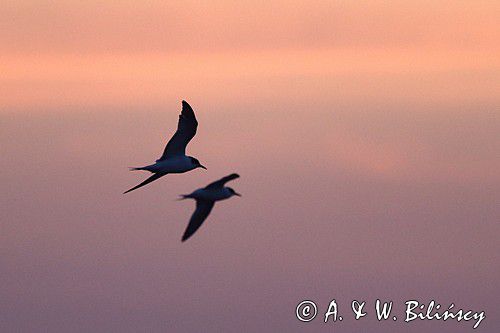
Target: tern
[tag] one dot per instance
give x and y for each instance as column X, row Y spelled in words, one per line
column 205, row 200
column 174, row 159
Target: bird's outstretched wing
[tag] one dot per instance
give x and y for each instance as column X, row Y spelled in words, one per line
column 221, row 182
column 203, row 208
column 186, row 129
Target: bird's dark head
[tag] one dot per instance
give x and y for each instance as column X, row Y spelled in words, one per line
column 233, row 192
column 196, row 163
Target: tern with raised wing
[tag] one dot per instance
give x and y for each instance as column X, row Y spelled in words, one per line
column 205, row 200
column 174, row 159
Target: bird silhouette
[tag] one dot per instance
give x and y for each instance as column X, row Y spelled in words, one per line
column 205, row 201
column 174, row 159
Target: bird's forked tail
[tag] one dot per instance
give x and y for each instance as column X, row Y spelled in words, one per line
column 184, row 196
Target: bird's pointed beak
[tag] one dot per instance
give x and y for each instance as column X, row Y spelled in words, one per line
column 203, row 167
column 235, row 193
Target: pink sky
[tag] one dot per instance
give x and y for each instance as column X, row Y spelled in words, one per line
column 366, row 135
column 66, row 54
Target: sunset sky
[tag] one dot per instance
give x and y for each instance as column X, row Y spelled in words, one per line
column 366, row 134
column 72, row 54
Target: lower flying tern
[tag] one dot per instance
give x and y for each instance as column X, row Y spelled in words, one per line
column 205, row 201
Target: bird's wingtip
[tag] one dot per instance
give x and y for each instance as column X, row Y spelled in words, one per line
column 234, row 176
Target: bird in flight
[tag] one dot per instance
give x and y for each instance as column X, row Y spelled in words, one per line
column 205, row 200
column 174, row 159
